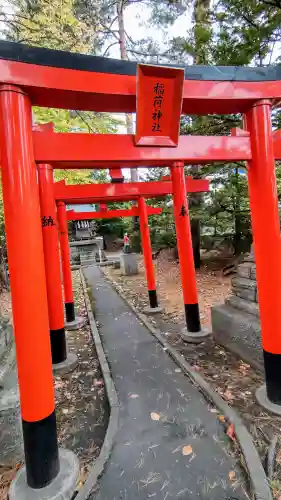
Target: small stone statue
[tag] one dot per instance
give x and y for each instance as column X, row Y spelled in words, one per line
column 127, row 244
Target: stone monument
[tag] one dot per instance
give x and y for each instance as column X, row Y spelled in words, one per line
column 87, row 252
column 236, row 323
column 10, row 417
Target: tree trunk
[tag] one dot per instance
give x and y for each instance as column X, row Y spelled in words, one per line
column 201, row 21
column 238, row 238
column 129, row 117
column 195, row 233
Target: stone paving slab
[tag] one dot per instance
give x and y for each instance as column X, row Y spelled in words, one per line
column 169, row 444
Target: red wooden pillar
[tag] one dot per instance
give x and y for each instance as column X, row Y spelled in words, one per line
column 66, row 266
column 28, row 287
column 147, row 255
column 184, row 244
column 52, row 262
column 267, row 246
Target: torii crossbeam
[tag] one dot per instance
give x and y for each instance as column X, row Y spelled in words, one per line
column 100, row 193
column 110, row 214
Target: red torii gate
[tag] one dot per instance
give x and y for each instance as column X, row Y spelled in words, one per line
column 88, row 83
column 99, row 193
column 91, row 193
column 143, row 212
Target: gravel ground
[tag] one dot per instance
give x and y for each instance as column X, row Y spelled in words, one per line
column 82, row 407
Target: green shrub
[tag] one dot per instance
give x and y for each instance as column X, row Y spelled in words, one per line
column 166, row 239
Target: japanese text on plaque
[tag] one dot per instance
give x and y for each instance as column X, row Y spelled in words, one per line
column 158, row 98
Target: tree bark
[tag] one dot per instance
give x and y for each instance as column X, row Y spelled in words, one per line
column 201, row 20
column 129, row 117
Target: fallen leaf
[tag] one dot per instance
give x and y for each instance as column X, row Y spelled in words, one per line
column 221, row 418
column 244, row 369
column 231, row 432
column 98, row 383
column 232, row 475
column 196, row 368
column 59, row 385
column 228, row 395
column 187, row 450
column 155, row 416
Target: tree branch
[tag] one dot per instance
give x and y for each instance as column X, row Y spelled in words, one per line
column 276, row 4
column 85, row 121
column 108, row 30
column 109, row 47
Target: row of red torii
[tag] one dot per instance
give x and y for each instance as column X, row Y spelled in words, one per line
column 99, row 193
column 158, row 95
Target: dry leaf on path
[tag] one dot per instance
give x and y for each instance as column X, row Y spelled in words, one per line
column 187, row 450
column 98, row 383
column 231, row 432
column 155, row 416
column 232, row 475
column 228, row 395
column 196, row 368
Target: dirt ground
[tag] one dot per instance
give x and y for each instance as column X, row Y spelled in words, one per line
column 81, row 404
column 233, row 379
column 212, row 286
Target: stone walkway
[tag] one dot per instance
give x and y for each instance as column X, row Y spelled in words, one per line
column 169, row 445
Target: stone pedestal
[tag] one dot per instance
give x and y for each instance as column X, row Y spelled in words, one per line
column 129, row 264
column 236, row 323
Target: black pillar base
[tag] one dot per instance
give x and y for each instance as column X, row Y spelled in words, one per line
column 69, row 312
column 41, row 451
column 152, row 294
column 272, row 370
column 58, row 345
column 192, row 317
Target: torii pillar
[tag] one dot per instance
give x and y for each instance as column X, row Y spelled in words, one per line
column 147, row 256
column 193, row 332
column 73, row 322
column 267, row 248
column 63, row 362
column 44, row 463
